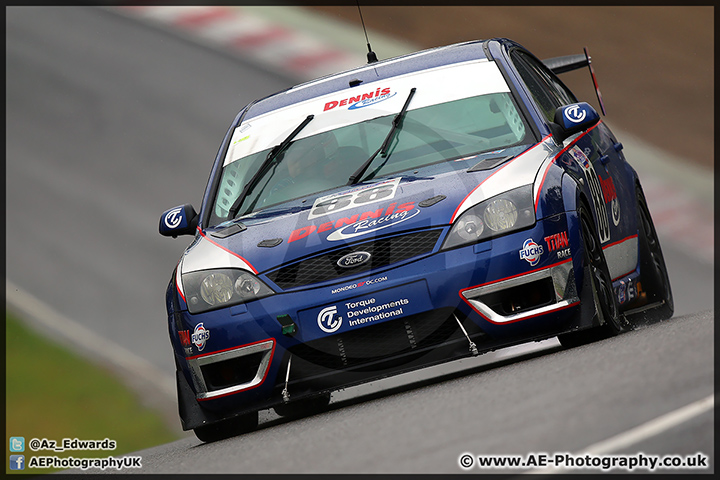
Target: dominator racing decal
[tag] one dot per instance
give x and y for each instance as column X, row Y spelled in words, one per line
column 376, row 218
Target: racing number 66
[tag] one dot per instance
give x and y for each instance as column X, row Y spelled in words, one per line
column 364, row 196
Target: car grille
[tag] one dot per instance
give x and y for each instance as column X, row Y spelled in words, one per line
column 360, row 348
column 384, row 251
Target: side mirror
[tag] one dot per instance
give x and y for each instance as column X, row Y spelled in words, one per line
column 572, row 119
column 182, row 220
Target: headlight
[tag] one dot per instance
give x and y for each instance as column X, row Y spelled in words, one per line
column 216, row 289
column 210, row 289
column 505, row 213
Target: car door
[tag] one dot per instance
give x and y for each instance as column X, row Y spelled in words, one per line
column 606, row 165
column 599, row 154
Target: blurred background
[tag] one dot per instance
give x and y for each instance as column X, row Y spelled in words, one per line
column 654, row 64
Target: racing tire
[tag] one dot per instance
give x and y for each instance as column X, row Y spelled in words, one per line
column 227, row 428
column 654, row 278
column 304, row 407
column 596, row 270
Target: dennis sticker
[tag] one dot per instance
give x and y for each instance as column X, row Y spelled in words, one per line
column 361, row 100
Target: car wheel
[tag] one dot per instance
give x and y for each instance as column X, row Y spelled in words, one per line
column 654, row 279
column 304, row 407
column 227, row 428
column 596, row 271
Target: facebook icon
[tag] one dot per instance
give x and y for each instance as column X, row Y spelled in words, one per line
column 17, row 462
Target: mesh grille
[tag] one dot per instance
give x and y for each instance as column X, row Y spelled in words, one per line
column 376, row 342
column 384, row 251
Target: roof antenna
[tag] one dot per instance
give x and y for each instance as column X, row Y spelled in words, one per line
column 372, row 58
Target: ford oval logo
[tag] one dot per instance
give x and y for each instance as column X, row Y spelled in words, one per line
column 353, row 259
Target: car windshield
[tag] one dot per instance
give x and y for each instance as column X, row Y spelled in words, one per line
column 428, row 135
column 319, row 162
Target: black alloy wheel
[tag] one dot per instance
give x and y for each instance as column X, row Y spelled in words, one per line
column 608, row 318
column 654, row 278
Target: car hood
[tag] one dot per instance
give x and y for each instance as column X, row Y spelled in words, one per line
column 433, row 196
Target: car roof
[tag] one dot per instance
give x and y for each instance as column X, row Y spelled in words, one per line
column 413, row 62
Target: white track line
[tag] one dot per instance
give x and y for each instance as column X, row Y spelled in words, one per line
column 76, row 334
column 642, row 432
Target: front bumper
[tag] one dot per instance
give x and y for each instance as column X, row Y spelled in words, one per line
column 417, row 313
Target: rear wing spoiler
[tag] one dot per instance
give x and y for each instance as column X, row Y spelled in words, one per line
column 568, row 63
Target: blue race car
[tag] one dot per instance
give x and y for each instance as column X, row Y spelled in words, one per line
column 406, row 213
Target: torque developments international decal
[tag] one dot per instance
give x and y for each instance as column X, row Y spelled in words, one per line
column 327, row 321
column 531, row 252
column 200, row 336
column 361, row 100
column 369, row 310
column 174, row 218
column 575, row 113
column 360, row 224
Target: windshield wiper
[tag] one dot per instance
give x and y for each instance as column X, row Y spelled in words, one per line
column 267, row 163
column 386, row 143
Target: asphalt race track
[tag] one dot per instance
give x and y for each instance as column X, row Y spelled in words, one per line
column 104, row 135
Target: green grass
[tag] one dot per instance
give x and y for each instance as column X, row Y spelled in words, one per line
column 52, row 393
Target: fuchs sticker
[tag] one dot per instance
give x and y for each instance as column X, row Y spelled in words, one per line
column 596, row 192
column 328, row 321
column 353, row 198
column 531, row 252
column 361, row 100
column 200, row 336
